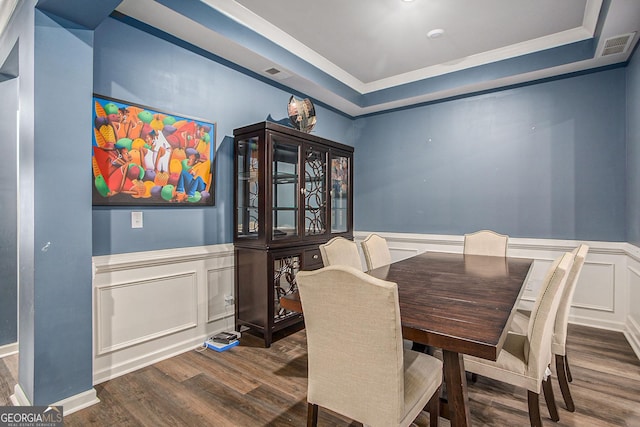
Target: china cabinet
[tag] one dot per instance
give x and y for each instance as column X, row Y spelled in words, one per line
column 292, row 192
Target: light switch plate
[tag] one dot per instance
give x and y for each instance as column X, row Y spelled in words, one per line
column 136, row 219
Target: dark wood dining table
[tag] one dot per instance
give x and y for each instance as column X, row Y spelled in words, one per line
column 462, row 304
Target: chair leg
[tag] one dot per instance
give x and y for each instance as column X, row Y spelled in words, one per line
column 433, row 407
column 534, row 409
column 566, row 367
column 312, row 415
column 547, row 388
column 561, row 371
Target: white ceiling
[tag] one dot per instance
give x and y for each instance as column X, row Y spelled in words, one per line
column 376, row 40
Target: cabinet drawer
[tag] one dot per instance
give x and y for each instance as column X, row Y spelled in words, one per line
column 312, row 260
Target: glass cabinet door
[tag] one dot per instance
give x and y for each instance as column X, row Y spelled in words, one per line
column 285, row 177
column 340, row 189
column 315, row 191
column 247, row 197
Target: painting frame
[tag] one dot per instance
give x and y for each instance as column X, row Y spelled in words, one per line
column 143, row 156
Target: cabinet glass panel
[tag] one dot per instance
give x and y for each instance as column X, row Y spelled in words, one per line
column 315, row 193
column 284, row 283
column 340, row 189
column 247, row 157
column 285, row 190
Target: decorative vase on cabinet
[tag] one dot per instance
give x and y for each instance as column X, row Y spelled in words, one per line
column 292, row 192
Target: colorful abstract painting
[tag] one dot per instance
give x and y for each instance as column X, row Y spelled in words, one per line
column 142, row 156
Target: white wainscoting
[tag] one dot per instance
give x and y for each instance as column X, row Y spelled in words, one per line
column 633, row 323
column 608, row 292
column 149, row 306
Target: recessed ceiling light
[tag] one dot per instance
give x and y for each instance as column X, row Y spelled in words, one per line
column 407, row 1
column 434, row 34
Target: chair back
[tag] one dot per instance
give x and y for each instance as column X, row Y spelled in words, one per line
column 354, row 344
column 486, row 242
column 541, row 322
column 376, row 251
column 558, row 345
column 340, row 251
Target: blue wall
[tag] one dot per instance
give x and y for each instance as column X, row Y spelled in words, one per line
column 9, row 203
column 633, row 151
column 62, row 305
column 138, row 67
column 53, row 235
column 542, row 161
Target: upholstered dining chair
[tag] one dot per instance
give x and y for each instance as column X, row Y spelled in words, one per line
column 340, row 251
column 486, row 242
column 361, row 370
column 376, row 251
column 559, row 342
column 524, row 359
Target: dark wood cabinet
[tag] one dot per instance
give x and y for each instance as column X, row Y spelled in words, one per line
column 292, row 192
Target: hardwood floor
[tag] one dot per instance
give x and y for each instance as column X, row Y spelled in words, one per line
column 253, row 386
column 8, row 378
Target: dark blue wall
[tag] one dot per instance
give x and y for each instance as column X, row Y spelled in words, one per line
column 135, row 66
column 633, row 151
column 542, row 161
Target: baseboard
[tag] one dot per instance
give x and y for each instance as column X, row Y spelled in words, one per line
column 70, row 404
column 8, row 349
column 632, row 333
column 146, row 359
column 19, row 397
column 78, row 401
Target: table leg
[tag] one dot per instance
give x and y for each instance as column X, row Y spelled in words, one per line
column 456, row 383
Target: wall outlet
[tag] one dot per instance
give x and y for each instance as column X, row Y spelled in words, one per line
column 228, row 300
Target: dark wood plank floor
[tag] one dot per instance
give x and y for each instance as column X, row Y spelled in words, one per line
column 253, row 386
column 8, row 378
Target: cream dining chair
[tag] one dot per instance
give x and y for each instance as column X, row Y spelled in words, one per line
column 362, row 371
column 486, row 242
column 376, row 251
column 340, row 251
column 524, row 359
column 559, row 342
column 376, row 254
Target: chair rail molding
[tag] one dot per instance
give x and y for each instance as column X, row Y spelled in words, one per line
column 607, row 295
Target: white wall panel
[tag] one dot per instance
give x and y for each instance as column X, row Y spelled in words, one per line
column 152, row 305
column 219, row 285
column 596, row 287
column 134, row 312
column 633, row 324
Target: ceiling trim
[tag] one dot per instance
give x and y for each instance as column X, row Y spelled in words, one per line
column 248, row 19
column 227, row 30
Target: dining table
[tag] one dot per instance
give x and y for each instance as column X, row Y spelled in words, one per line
column 460, row 303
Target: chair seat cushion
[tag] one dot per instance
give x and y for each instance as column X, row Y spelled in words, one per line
column 511, row 366
column 419, row 369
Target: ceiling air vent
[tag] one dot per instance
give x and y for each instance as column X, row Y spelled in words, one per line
column 617, row 44
column 277, row 74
